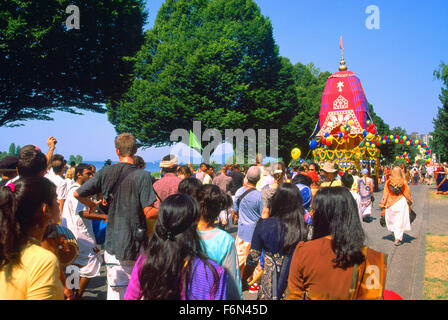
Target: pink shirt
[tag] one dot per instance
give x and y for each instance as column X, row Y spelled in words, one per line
column 166, row 187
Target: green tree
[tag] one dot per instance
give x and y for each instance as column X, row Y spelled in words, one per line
column 46, row 67
column 439, row 141
column 76, row 159
column 309, row 86
column 12, row 149
column 212, row 61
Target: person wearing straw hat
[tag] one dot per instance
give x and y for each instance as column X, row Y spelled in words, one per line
column 330, row 171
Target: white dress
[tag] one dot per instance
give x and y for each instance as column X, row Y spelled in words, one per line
column 397, row 218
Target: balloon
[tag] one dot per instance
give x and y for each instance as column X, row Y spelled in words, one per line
column 350, row 122
column 340, row 134
column 295, row 153
column 396, row 141
column 383, row 142
column 328, row 142
column 367, row 144
column 369, row 136
column 368, row 122
column 326, row 135
column 373, row 131
column 342, row 129
column 408, row 143
column 313, row 144
column 323, row 141
column 405, row 138
column 401, row 141
column 349, row 129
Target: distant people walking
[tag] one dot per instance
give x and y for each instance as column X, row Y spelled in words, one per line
column 325, row 268
column 365, row 190
column 442, row 179
column 130, row 195
column 395, row 204
column 175, row 267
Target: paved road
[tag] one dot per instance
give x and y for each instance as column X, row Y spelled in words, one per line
column 405, row 263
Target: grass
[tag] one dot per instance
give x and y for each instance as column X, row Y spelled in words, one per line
column 435, row 285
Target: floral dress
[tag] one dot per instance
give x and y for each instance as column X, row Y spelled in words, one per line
column 269, row 238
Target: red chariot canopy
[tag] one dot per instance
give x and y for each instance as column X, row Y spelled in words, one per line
column 342, row 100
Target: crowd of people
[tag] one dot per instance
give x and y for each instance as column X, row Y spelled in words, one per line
column 169, row 238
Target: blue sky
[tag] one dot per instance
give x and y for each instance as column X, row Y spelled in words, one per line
column 395, row 65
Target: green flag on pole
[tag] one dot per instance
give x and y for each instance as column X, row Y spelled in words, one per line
column 194, row 142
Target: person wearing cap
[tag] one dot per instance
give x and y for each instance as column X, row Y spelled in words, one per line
column 365, row 191
column 248, row 206
column 329, row 172
column 8, row 169
column 169, row 182
column 269, row 189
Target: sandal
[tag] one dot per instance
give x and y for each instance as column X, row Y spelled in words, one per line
column 397, row 243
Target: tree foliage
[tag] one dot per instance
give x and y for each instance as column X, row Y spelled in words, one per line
column 76, row 159
column 46, row 67
column 439, row 141
column 211, row 61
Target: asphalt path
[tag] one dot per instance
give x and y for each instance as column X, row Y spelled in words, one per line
column 405, row 263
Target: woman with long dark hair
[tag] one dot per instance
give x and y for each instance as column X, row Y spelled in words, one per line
column 277, row 236
column 175, row 266
column 28, row 271
column 335, row 264
column 218, row 244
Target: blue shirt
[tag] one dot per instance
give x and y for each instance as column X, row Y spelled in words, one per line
column 220, row 247
column 249, row 212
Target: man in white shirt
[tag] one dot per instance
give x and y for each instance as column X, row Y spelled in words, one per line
column 56, row 175
column 75, row 217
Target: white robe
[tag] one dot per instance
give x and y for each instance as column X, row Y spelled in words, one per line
column 397, row 218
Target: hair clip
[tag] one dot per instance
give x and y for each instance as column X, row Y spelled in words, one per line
column 11, row 186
